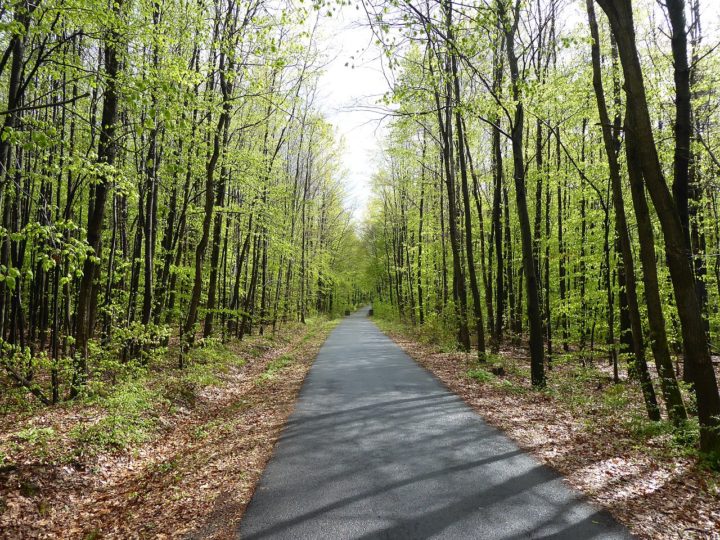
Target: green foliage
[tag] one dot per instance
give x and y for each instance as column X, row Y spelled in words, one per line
column 436, row 330
column 680, row 440
column 615, row 397
column 511, row 387
column 422, row 266
column 286, row 247
column 212, row 351
column 480, row 375
column 37, row 440
column 181, row 390
column 275, row 366
column 207, row 363
column 36, row 435
column 128, row 420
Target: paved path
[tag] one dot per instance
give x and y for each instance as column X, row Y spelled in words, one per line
column 378, row 448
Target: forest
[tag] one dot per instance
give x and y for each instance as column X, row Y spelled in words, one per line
column 557, row 184
column 165, row 175
column 175, row 215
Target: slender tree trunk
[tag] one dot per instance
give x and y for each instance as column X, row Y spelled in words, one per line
column 695, row 190
column 217, row 231
column 107, row 151
column 497, row 231
column 498, row 239
column 486, row 278
column 537, row 353
column 683, row 126
column 477, row 306
column 421, row 307
column 697, row 353
column 656, row 319
column 188, row 330
column 621, row 225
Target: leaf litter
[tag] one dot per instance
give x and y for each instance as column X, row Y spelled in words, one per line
column 656, row 493
column 193, row 479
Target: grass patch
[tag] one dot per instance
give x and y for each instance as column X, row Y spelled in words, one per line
column 680, row 440
column 480, row 375
column 36, row 436
column 511, row 387
column 206, row 367
column 615, row 396
column 433, row 332
column 274, row 366
column 214, row 352
column 118, row 413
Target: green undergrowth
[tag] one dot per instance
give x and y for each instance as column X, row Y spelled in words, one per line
column 119, row 415
column 589, row 394
column 130, row 418
column 435, row 330
column 480, row 375
column 276, row 365
column 603, row 406
column 583, row 389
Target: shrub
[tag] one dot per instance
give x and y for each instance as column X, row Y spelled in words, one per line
column 37, row 439
column 128, row 421
column 480, row 375
column 274, row 366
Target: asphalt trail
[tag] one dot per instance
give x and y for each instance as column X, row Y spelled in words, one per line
column 378, row 448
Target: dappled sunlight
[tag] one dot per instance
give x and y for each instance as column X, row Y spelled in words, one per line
column 523, row 196
column 642, row 478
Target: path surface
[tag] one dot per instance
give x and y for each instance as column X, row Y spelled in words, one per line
column 378, row 448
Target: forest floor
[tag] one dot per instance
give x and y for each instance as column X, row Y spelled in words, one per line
column 590, row 430
column 173, row 453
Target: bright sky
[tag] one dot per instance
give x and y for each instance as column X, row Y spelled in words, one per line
column 347, row 93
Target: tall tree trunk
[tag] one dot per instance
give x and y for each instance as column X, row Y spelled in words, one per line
column 152, row 165
column 484, row 273
column 695, row 190
column 697, row 353
column 537, row 352
column 421, row 306
column 621, row 225
column 477, row 307
column 217, row 231
column 683, row 128
column 107, row 151
column 497, row 231
column 498, row 239
column 188, row 330
column 445, row 124
column 656, row 319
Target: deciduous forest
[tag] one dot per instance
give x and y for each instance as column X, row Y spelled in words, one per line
column 177, row 236
column 557, row 187
column 165, row 175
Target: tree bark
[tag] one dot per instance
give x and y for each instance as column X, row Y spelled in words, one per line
column 107, row 151
column 188, row 330
column 537, row 352
column 697, row 353
column 621, row 225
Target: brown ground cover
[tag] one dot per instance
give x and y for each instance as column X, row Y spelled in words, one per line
column 193, row 473
column 591, row 431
